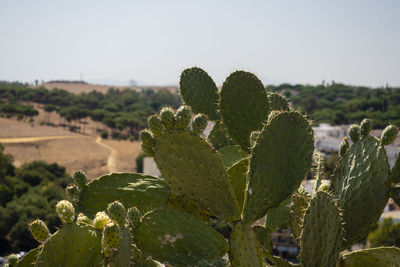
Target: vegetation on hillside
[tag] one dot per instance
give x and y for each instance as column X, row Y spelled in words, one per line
column 27, row 193
column 338, row 103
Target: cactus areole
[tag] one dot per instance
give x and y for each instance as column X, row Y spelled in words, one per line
column 213, row 189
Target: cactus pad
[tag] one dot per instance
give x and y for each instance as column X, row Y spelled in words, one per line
column 182, row 117
column 155, row 125
column 131, row 189
column 116, row 211
column 80, row 178
column 366, row 126
column 354, row 132
column 344, row 146
column 359, row 184
column 300, row 202
column 231, row 155
column 169, row 236
column 278, row 217
column 373, row 257
column 111, row 239
column 193, row 169
column 237, row 175
column 389, row 135
column 72, row 192
column 322, row 232
column 199, row 123
column 244, row 106
column 100, row 220
column 29, row 258
column 83, row 219
column 199, row 91
column 277, row 102
column 218, row 136
column 287, row 138
column 72, row 245
column 245, row 250
column 167, row 116
column 39, row 230
column 133, row 215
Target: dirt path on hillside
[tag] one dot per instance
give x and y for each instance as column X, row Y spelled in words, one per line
column 34, row 139
column 111, row 161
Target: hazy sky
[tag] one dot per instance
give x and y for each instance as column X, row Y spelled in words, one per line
column 355, row 42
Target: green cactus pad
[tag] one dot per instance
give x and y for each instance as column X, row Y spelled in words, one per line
column 395, row 172
column 29, row 259
column 72, row 245
column 178, row 238
column 66, row 211
column 238, row 177
column 39, row 230
column 277, row 102
column 300, row 202
column 244, row 106
column 322, row 232
column 179, row 202
column 193, row 169
column 83, row 219
column 182, row 117
column 218, row 136
column 264, row 238
column 245, row 250
column 72, row 192
column 366, row 126
column 131, row 189
column 373, row 257
column 111, row 239
column 133, row 215
column 389, row 135
column 359, row 182
column 13, row 260
column 199, row 123
column 116, row 211
column 199, row 91
column 282, row 156
column 80, row 178
column 231, row 155
column 344, row 146
column 278, row 217
column 123, row 254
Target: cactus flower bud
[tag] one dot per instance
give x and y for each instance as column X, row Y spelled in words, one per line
column 354, row 132
column 167, row 116
column 116, row 212
column 39, row 230
column 133, row 215
column 80, row 179
column 13, row 260
column 389, row 135
column 366, row 126
column 199, row 123
column 72, row 192
column 83, row 219
column 111, row 238
column 344, row 146
column 65, row 210
column 100, row 220
column 183, row 116
column 155, row 125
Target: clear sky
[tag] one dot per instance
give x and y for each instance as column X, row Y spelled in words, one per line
column 356, row 41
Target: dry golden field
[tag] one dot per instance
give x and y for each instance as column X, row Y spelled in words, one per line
column 28, row 142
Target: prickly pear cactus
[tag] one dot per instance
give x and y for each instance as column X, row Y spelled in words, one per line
column 213, row 190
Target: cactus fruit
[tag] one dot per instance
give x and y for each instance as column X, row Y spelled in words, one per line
column 133, row 215
column 13, row 260
column 147, row 142
column 110, row 239
column 155, row 125
column 83, row 219
column 39, row 230
column 116, row 212
column 182, row 117
column 72, row 192
column 389, row 135
column 344, row 146
column 80, row 178
column 66, row 211
column 100, row 220
column 354, row 132
column 199, row 123
column 366, row 126
column 277, row 102
column 167, row 116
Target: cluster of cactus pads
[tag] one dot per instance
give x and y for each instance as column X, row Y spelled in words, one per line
column 206, row 208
